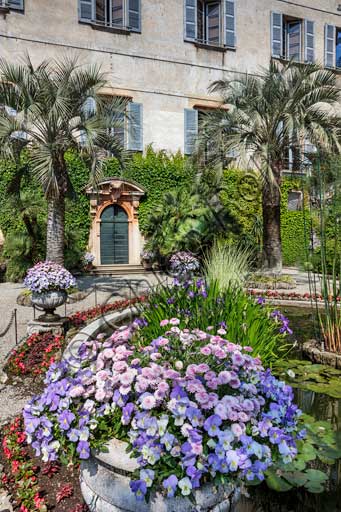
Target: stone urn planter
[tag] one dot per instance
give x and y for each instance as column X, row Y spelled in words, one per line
column 105, row 479
column 49, row 301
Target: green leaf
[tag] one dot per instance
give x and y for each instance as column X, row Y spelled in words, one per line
column 277, row 483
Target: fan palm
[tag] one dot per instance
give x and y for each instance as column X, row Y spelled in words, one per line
column 262, row 119
column 48, row 110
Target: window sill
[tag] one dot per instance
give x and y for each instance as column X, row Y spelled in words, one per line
column 284, row 60
column 105, row 28
column 211, row 47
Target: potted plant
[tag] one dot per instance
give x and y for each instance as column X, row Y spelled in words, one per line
column 184, row 265
column 48, row 283
column 147, row 259
column 88, row 260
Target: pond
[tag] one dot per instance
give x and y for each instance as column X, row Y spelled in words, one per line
column 322, row 407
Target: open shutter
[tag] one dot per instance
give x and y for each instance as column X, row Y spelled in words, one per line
column 86, row 11
column 276, row 34
column 191, row 130
column 16, row 4
column 309, row 39
column 329, row 46
column 230, row 23
column 190, row 7
column 134, row 15
column 135, row 124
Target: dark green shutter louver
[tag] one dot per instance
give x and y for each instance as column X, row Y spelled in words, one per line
column 230, row 24
column 16, row 4
column 190, row 7
column 86, row 10
column 134, row 15
column 135, row 126
column 191, row 130
column 276, row 34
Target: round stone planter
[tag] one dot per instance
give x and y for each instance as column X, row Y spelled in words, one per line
column 105, row 479
column 49, row 301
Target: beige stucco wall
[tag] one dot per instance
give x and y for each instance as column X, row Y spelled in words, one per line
column 156, row 67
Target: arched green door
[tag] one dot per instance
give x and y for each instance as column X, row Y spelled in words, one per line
column 114, row 236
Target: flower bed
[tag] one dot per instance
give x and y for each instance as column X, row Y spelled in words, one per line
column 83, row 317
column 35, row 355
column 275, row 294
column 35, row 486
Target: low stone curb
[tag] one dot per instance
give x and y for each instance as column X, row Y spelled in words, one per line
column 313, row 350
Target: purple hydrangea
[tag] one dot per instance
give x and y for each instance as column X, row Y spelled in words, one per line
column 46, row 276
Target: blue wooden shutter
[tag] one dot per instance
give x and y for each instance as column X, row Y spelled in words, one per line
column 309, row 40
column 16, row 4
column 89, row 109
column 191, row 130
column 134, row 15
column 135, row 126
column 329, row 46
column 191, row 28
column 230, row 24
column 276, row 34
column 86, row 10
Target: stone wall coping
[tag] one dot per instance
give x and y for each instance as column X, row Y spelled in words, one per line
column 99, row 325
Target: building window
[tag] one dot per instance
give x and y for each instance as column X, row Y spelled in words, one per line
column 332, row 50
column 128, row 128
column 295, row 200
column 12, row 4
column 292, row 38
column 116, row 14
column 210, row 22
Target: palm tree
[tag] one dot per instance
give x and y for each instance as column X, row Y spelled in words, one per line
column 265, row 117
column 48, row 110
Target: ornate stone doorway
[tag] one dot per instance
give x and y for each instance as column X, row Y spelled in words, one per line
column 115, row 237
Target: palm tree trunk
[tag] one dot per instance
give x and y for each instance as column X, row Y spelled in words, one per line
column 55, row 230
column 272, row 244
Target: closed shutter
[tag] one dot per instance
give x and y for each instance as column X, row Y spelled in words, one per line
column 135, row 124
column 191, row 130
column 89, row 109
column 230, row 24
column 86, row 10
column 119, row 129
column 329, row 46
column 276, row 34
column 190, row 20
column 16, row 4
column 309, row 39
column 134, row 15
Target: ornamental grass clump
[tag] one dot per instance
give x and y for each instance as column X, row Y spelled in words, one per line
column 194, row 408
column 46, row 276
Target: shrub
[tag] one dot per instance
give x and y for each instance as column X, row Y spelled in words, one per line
column 227, row 265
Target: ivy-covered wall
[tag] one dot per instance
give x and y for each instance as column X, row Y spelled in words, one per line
column 157, row 172
column 293, row 225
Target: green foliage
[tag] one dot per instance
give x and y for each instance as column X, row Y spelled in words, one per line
column 77, row 215
column 247, row 323
column 319, row 447
column 157, row 172
column 318, row 378
column 294, row 226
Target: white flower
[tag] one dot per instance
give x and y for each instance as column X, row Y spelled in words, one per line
column 291, row 374
column 185, row 486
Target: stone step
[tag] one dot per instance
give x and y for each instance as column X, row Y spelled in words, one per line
column 114, row 270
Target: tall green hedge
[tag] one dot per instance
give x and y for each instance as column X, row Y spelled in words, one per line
column 293, row 226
